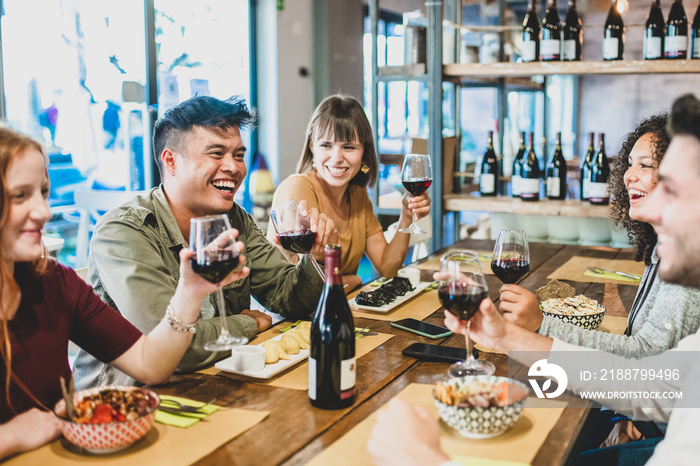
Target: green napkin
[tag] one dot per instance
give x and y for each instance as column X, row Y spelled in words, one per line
column 186, row 420
column 611, row 276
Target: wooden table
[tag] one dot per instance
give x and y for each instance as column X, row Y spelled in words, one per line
column 294, row 432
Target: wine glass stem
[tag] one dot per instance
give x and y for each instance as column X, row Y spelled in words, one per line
column 223, row 332
column 317, row 267
column 470, row 355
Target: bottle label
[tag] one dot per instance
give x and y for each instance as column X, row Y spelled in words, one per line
column 676, row 46
column 696, row 47
column 597, row 190
column 550, row 49
column 586, row 190
column 569, row 50
column 529, row 186
column 487, row 183
column 553, row 187
column 529, row 52
column 652, row 48
column 312, row 378
column 515, row 185
column 610, row 48
column 347, row 377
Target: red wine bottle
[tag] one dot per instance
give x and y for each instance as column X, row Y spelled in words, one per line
column 676, row 40
column 586, row 167
column 572, row 32
column 614, row 35
column 695, row 35
column 600, row 174
column 332, row 354
column 518, row 167
column 531, row 35
column 654, row 32
column 550, row 46
column 556, row 173
column 488, row 180
column 530, row 182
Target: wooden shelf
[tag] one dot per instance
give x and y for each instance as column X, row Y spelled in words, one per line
column 613, row 67
column 503, row 204
column 415, row 72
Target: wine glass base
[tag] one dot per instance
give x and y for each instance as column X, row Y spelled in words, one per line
column 225, row 343
column 412, row 229
column 474, row 367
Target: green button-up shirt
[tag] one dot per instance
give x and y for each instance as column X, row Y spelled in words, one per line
column 134, row 266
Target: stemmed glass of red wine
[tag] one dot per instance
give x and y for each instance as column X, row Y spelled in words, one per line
column 294, row 231
column 461, row 288
column 511, row 256
column 416, row 177
column 215, row 257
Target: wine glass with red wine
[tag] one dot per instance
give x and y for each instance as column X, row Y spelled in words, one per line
column 461, row 289
column 294, row 231
column 214, row 259
column 416, row 177
column 511, row 256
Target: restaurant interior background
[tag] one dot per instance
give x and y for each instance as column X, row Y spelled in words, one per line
column 86, row 77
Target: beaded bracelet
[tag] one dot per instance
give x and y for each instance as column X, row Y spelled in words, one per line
column 176, row 323
column 619, row 418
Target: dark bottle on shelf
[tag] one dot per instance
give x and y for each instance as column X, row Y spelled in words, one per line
column 530, row 182
column 695, row 35
column 488, row 179
column 654, row 31
column 550, row 46
column 531, row 35
column 676, row 40
column 572, row 34
column 614, row 35
column 600, row 174
column 556, row 173
column 518, row 167
column 586, row 167
column 332, row 354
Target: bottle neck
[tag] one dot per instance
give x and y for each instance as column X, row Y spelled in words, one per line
column 333, row 269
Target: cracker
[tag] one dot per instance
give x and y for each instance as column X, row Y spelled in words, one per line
column 555, row 289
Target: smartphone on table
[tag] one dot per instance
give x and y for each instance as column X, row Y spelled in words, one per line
column 426, row 352
column 423, row 329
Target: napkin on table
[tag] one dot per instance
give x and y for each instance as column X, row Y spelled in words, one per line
column 186, row 420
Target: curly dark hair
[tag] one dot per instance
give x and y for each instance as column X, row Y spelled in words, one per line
column 641, row 234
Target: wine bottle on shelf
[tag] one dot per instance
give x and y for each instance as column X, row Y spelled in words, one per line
column 488, row 179
column 332, row 347
column 695, row 35
column 614, row 35
column 531, row 35
column 572, row 34
column 531, row 174
column 586, row 167
column 600, row 174
column 556, row 173
column 518, row 167
column 654, row 32
column 550, row 46
column 676, row 40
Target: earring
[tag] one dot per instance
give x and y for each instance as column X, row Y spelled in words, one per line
column 365, row 168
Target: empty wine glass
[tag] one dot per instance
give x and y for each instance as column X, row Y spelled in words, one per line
column 461, row 289
column 416, row 177
column 215, row 258
column 294, row 231
column 511, row 256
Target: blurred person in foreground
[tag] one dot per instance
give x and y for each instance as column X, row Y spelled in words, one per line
column 44, row 304
column 134, row 255
column 337, row 163
column 673, row 210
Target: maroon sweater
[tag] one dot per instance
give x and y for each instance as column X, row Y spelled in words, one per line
column 57, row 307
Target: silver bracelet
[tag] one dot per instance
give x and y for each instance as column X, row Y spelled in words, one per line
column 176, row 323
